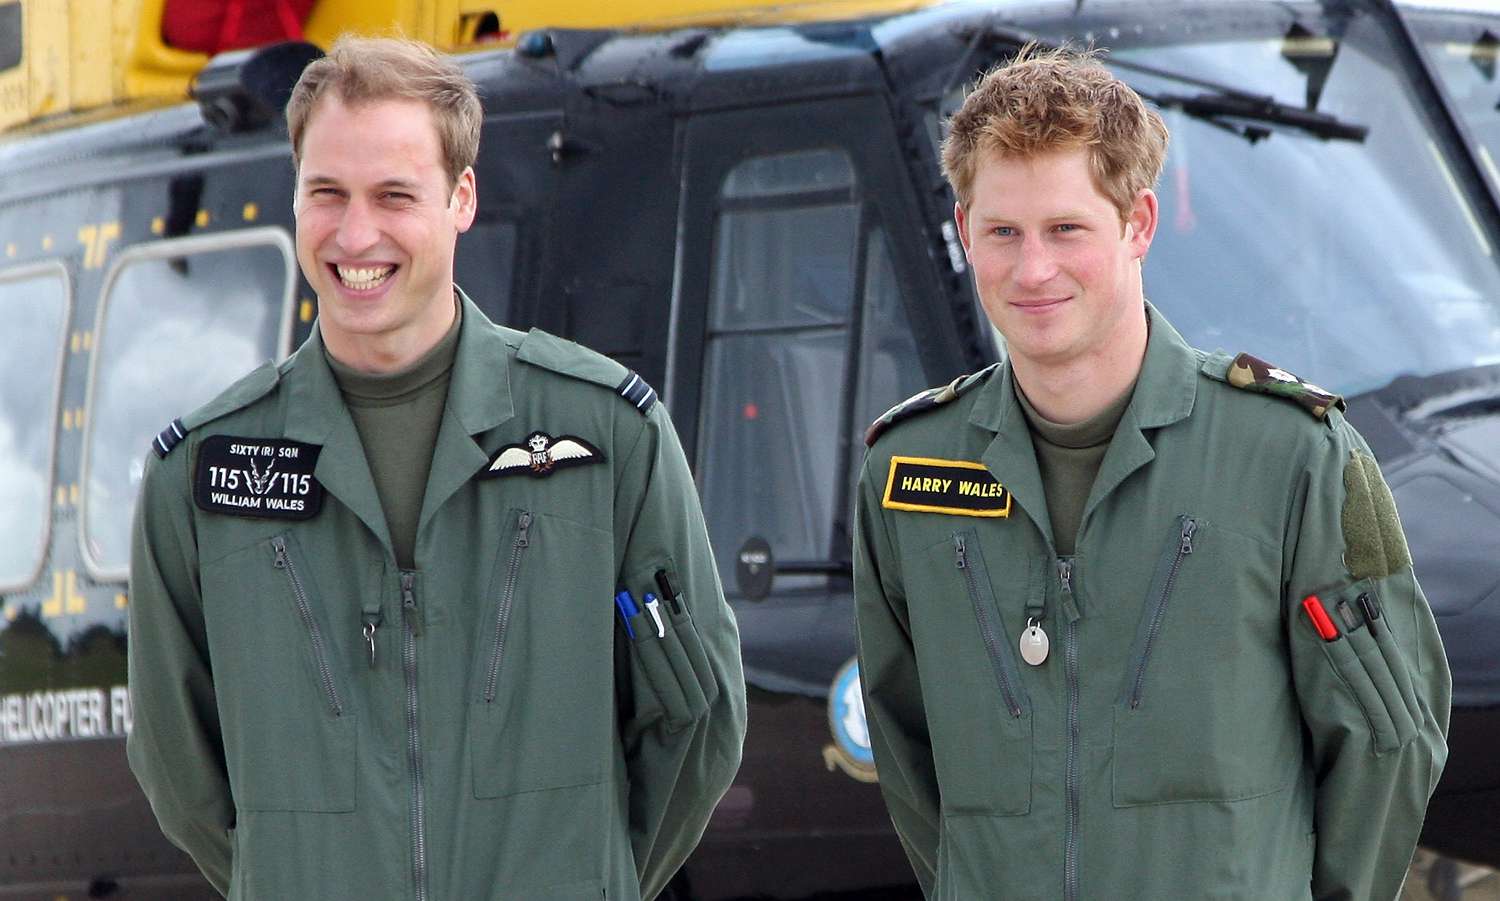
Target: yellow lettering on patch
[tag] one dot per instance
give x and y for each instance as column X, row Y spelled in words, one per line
column 927, row 485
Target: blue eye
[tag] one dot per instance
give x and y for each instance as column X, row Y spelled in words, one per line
column 1004, row 231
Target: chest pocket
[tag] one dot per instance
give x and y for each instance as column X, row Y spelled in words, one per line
column 1205, row 711
column 979, row 713
column 542, row 706
column 281, row 681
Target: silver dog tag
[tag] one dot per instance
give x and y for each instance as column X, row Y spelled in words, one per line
column 1034, row 644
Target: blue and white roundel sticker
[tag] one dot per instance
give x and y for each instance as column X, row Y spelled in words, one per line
column 850, row 751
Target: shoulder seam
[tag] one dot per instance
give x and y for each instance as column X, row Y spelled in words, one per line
column 569, row 358
column 923, row 401
column 223, row 404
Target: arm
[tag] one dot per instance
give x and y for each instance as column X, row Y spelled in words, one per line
column 175, row 747
column 1375, row 706
column 893, row 688
column 682, row 716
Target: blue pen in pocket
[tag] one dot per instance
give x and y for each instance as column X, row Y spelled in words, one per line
column 626, row 605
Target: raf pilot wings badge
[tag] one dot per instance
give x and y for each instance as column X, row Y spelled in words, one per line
column 541, row 455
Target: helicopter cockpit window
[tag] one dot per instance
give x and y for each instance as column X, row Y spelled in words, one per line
column 34, row 303
column 1306, row 267
column 890, row 367
column 1465, row 55
column 179, row 322
column 780, row 313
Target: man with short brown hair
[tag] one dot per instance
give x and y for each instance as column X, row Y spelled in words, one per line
column 376, row 649
column 1135, row 620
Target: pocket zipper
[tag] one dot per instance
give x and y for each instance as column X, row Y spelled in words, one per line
column 986, row 628
column 1184, row 548
column 304, row 610
column 507, row 600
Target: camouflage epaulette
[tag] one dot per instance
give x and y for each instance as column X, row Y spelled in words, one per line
column 922, row 401
column 1255, row 374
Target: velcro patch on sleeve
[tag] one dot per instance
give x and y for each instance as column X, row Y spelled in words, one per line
column 1374, row 546
column 262, row 477
column 958, row 487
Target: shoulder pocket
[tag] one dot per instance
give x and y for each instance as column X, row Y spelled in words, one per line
column 1374, row 669
column 668, row 656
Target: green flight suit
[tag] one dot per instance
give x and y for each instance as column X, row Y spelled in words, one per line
column 312, row 722
column 1190, row 734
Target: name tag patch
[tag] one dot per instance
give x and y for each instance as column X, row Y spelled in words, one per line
column 958, row 487
column 265, row 477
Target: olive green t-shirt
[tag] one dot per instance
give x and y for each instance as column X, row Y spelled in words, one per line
column 1068, row 458
column 397, row 415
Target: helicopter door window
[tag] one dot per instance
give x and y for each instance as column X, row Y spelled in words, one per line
column 34, row 305
column 890, row 367
column 179, row 322
column 776, row 356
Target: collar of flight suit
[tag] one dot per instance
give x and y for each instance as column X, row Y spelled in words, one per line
column 479, row 399
column 1164, row 394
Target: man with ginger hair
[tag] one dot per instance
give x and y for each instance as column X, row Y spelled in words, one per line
column 1135, row 620
column 374, row 644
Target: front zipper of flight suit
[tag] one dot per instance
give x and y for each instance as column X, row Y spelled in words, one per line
column 411, row 619
column 1158, row 614
column 1070, row 659
column 304, row 612
column 507, row 601
column 986, row 627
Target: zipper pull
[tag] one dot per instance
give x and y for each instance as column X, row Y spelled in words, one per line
column 522, row 539
column 280, row 547
column 369, row 631
column 1189, row 526
column 1069, row 605
column 409, row 603
column 963, row 556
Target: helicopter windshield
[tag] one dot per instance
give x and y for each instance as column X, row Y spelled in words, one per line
column 1464, row 52
column 1349, row 262
column 1349, row 259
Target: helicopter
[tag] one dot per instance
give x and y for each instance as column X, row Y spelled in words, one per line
column 744, row 205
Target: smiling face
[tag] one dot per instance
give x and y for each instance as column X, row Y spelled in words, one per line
column 1055, row 273
column 377, row 221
